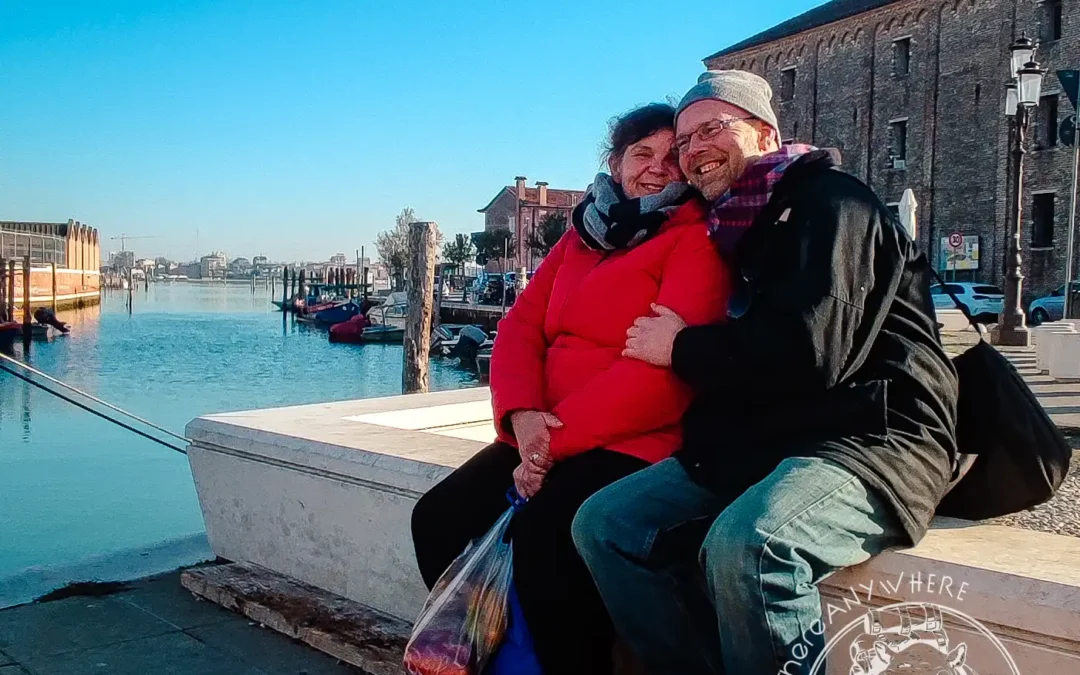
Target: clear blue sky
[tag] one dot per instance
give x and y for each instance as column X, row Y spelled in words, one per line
column 299, row 129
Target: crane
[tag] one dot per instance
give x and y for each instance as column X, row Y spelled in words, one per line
column 124, row 237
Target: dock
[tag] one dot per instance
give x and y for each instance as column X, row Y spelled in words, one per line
column 486, row 316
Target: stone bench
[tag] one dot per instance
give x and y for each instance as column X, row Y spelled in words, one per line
column 323, row 494
column 952, row 320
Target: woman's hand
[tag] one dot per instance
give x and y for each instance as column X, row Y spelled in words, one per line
column 528, row 479
column 532, row 430
column 651, row 339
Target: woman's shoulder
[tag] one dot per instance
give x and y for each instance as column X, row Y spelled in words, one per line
column 693, row 213
column 688, row 225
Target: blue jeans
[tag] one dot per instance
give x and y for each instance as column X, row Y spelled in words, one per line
column 764, row 553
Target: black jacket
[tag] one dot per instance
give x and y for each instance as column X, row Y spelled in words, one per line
column 832, row 350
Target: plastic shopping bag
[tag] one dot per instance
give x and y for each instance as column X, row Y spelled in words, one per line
column 464, row 618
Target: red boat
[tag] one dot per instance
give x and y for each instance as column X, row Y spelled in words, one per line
column 351, row 331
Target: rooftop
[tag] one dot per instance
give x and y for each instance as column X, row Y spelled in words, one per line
column 830, row 12
column 38, row 228
column 555, row 198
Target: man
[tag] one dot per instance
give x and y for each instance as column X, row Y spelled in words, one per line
column 823, row 432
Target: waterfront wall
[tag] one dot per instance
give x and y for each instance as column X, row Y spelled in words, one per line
column 323, row 493
column 72, row 287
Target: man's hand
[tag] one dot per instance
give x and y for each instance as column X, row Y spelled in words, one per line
column 532, row 430
column 528, row 479
column 651, row 339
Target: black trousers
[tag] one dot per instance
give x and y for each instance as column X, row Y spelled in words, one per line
column 563, row 610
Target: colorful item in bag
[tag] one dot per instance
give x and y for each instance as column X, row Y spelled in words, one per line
column 464, row 618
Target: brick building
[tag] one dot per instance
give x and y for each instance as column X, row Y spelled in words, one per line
column 71, row 245
column 912, row 93
column 519, row 209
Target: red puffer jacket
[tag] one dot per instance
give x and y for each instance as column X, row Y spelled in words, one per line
column 559, row 349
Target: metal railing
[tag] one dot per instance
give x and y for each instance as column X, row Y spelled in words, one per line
column 42, row 248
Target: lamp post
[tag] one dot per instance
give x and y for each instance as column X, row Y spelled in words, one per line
column 1022, row 96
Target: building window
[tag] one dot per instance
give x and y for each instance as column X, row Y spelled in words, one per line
column 901, row 56
column 978, row 92
column 898, row 144
column 1048, row 122
column 787, row 84
column 1051, row 20
column 1042, row 217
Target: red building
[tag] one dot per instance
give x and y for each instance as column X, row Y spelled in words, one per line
column 519, row 209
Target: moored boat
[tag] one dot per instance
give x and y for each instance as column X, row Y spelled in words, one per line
column 383, row 333
column 351, row 331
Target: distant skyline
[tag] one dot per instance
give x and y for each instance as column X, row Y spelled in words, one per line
column 299, row 130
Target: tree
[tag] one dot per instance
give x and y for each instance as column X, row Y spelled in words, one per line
column 493, row 244
column 459, row 251
column 544, row 236
column 393, row 246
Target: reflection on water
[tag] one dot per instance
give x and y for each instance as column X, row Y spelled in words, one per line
column 73, row 485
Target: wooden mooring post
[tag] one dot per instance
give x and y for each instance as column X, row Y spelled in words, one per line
column 11, row 290
column 52, row 270
column 4, row 316
column 420, row 288
column 26, row 302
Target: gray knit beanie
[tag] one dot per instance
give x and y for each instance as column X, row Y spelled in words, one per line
column 737, row 87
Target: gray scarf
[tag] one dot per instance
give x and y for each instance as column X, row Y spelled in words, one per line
column 607, row 221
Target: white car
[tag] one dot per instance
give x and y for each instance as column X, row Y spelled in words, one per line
column 983, row 301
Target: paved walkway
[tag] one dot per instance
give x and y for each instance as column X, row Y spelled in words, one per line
column 155, row 628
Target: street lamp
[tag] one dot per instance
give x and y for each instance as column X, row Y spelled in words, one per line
column 1021, row 97
column 1021, row 53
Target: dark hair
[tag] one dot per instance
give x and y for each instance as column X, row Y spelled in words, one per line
column 638, row 124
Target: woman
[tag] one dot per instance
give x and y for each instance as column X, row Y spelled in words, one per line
column 572, row 413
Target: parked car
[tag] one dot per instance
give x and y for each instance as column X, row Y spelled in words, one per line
column 1051, row 307
column 982, row 301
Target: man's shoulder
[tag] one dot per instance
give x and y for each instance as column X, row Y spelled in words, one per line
column 835, row 185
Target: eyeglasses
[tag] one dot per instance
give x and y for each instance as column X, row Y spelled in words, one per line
column 707, row 131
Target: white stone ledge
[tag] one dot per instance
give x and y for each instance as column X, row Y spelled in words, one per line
column 324, row 493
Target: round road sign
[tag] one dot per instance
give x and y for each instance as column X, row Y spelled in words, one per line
column 1067, row 130
column 956, row 240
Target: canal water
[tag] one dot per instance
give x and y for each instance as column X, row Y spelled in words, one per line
column 78, row 493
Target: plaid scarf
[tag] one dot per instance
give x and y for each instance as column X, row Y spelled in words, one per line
column 734, row 212
column 608, row 220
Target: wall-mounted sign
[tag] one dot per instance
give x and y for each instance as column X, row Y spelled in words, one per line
column 960, row 255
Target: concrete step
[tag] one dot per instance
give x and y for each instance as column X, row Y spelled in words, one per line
column 345, row 629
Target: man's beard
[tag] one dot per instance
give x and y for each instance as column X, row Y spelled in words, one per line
column 714, row 187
